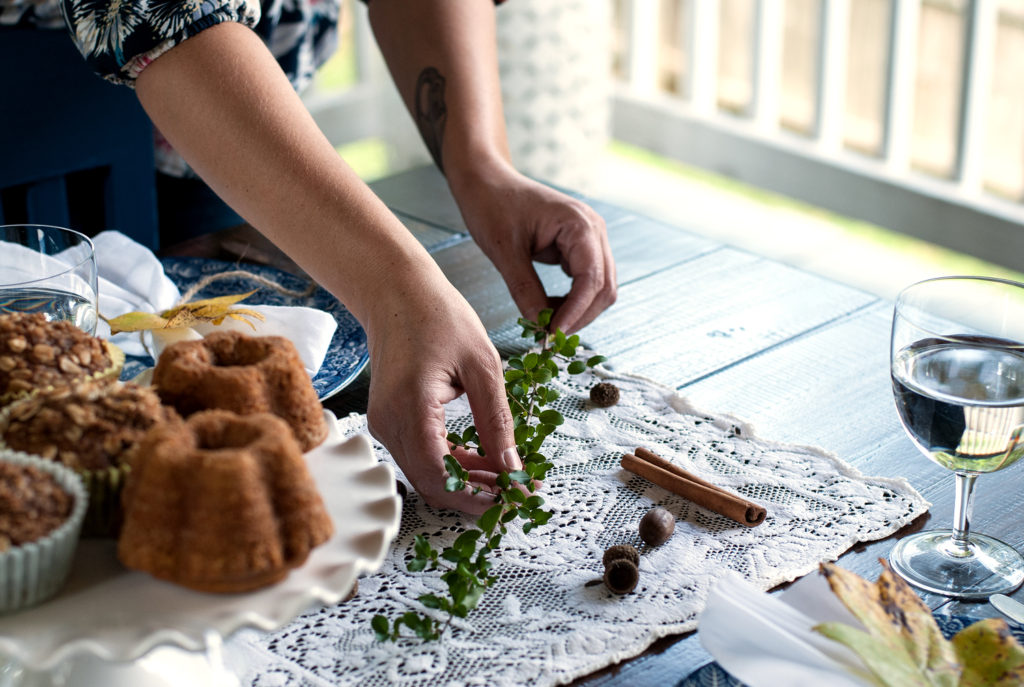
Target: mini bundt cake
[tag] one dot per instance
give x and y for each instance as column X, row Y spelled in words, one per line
column 232, row 371
column 221, row 502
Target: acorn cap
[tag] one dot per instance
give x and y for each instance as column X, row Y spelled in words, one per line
column 621, row 576
column 620, row 551
column 604, row 394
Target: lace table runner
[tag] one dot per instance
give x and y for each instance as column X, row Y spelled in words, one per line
column 540, row 624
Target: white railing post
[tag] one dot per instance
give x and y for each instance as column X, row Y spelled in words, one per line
column 833, row 43
column 767, row 71
column 975, row 92
column 904, row 23
column 701, row 44
column 643, row 46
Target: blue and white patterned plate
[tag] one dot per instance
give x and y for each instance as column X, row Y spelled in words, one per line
column 346, row 356
column 713, row 675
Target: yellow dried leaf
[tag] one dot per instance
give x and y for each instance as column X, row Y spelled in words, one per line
column 903, row 644
column 186, row 315
column 136, row 321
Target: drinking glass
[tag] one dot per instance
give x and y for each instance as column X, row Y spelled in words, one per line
column 48, row 269
column 957, row 364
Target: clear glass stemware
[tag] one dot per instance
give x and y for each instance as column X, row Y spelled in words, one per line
column 957, row 366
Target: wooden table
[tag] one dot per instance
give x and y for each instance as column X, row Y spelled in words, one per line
column 802, row 358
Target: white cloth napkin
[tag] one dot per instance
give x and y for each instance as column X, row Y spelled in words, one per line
column 766, row 640
column 131, row 278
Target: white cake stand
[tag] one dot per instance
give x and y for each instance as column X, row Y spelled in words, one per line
column 111, row 626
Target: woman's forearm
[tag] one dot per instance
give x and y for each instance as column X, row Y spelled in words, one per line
column 222, row 101
column 442, row 56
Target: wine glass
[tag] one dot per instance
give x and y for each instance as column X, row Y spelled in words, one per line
column 48, row 269
column 957, row 364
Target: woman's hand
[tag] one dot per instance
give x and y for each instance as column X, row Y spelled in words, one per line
column 516, row 220
column 425, row 351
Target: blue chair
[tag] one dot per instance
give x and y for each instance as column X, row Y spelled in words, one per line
column 75, row 151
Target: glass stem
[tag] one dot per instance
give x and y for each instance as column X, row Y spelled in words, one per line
column 962, row 509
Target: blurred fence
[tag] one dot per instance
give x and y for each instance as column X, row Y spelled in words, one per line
column 905, row 113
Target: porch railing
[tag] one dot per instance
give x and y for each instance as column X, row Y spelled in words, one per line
column 690, row 115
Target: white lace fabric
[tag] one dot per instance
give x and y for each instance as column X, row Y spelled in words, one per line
column 540, row 624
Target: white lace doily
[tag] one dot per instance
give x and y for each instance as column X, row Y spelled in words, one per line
column 539, row 624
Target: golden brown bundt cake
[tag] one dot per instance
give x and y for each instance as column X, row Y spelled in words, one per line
column 221, row 503
column 245, row 374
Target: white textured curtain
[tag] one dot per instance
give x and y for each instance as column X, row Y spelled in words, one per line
column 555, row 80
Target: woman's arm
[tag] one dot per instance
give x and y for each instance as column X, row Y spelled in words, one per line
column 222, row 101
column 442, row 56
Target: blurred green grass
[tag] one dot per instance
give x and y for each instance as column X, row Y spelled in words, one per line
column 868, row 236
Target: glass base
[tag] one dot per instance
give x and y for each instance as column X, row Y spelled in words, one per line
column 930, row 561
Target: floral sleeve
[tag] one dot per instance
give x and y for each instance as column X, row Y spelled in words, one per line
column 119, row 38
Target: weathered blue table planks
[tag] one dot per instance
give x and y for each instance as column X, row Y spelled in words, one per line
column 802, row 358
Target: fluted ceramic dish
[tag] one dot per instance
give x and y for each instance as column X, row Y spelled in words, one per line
column 116, row 614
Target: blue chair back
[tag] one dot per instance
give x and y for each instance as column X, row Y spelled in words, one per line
column 75, row 151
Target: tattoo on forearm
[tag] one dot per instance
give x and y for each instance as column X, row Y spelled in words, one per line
column 431, row 111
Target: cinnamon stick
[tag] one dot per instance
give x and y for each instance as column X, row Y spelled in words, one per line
column 656, row 469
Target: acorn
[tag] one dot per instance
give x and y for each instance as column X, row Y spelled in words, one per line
column 620, row 551
column 657, row 526
column 604, row 394
column 621, row 575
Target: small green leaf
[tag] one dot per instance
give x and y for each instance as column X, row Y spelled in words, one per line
column 520, row 476
column 515, row 496
column 544, row 317
column 417, row 564
column 454, row 484
column 517, row 363
column 454, row 468
column 503, row 480
column 530, row 361
column 522, row 433
column 595, row 360
column 513, row 375
column 381, row 628
column 576, row 367
column 542, row 375
column 465, row 543
column 534, row 502
column 527, row 527
column 552, row 417
column 431, row 600
column 489, row 519
column 541, row 518
column 509, row 517
column 454, row 438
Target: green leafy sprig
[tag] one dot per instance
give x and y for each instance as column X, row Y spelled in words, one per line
column 465, row 563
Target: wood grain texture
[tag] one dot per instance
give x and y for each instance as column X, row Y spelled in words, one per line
column 701, row 316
